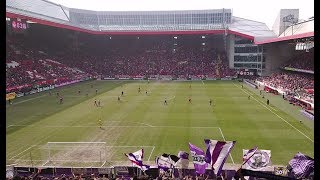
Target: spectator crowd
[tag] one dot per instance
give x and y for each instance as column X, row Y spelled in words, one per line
column 304, row 61
column 29, row 65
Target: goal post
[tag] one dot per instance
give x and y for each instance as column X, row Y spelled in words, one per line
column 75, row 153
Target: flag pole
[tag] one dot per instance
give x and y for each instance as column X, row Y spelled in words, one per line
column 247, row 158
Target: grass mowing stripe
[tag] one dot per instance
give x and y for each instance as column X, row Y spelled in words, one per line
column 43, row 138
column 277, row 115
column 144, row 119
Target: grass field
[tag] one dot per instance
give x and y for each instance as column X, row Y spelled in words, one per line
column 142, row 120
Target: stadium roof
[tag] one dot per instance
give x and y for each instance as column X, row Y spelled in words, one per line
column 302, row 29
column 286, row 38
column 215, row 21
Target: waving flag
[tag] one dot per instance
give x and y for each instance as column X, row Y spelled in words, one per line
column 198, row 158
column 301, row 165
column 259, row 161
column 184, row 159
column 217, row 153
column 248, row 154
column 183, row 155
column 167, row 161
column 136, row 159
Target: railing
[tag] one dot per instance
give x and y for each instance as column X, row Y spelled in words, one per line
column 118, row 171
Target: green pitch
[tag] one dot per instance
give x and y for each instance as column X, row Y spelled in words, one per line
column 141, row 120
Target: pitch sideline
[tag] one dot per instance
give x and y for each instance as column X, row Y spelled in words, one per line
column 277, row 115
column 225, row 140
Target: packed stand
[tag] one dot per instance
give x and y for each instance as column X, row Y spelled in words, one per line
column 154, row 61
column 29, row 66
column 291, row 83
column 305, row 61
column 31, row 59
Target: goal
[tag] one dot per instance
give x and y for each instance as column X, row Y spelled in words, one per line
column 75, row 154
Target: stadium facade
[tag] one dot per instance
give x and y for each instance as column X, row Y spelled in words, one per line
column 239, row 35
column 296, row 37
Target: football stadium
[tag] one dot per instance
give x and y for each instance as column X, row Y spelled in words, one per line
column 179, row 94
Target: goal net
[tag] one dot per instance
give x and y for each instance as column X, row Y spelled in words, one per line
column 75, row 154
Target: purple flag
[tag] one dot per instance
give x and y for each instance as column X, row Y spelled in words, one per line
column 167, row 161
column 249, row 154
column 301, row 165
column 183, row 155
column 136, row 159
column 217, row 153
column 198, row 158
column 184, row 160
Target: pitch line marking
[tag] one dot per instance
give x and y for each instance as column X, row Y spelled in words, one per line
column 194, row 127
column 103, row 163
column 39, row 141
column 45, row 163
column 70, row 96
column 29, row 99
column 278, row 116
column 151, row 153
column 260, row 100
column 130, row 146
column 171, row 98
column 93, row 143
column 225, row 140
column 262, row 103
column 145, row 124
column 22, row 152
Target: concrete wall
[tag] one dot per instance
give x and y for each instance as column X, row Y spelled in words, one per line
column 305, row 27
column 230, row 49
column 279, row 26
column 277, row 54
